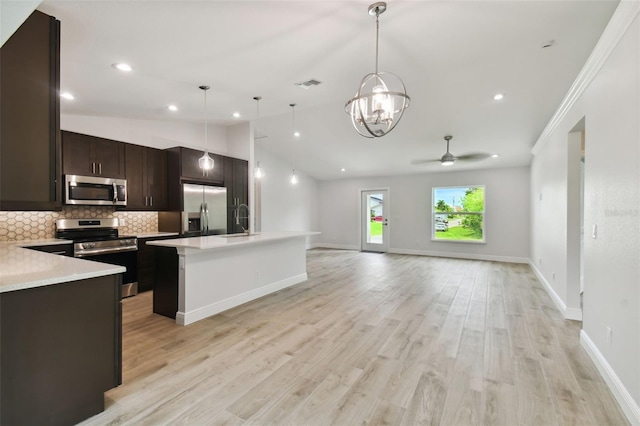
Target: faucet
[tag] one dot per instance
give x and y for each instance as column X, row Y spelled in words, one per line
column 236, row 213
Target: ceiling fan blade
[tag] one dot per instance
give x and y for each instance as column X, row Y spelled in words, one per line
column 474, row 156
column 420, row 162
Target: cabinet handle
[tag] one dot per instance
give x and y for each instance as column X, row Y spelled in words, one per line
column 145, row 201
column 99, row 168
column 93, row 168
column 151, row 200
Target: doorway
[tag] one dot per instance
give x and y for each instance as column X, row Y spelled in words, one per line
column 374, row 220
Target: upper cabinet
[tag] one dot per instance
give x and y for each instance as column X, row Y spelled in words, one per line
column 30, row 116
column 191, row 171
column 146, row 172
column 92, row 156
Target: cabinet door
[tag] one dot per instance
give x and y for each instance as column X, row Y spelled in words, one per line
column 76, row 154
column 109, row 158
column 30, row 130
column 191, row 170
column 157, row 178
column 135, row 173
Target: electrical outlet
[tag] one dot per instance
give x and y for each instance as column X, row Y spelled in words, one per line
column 609, row 334
column 122, row 222
column 554, row 276
column 594, row 232
column 540, row 262
column 181, row 263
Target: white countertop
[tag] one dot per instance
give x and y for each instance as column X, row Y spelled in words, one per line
column 35, row 243
column 232, row 240
column 156, row 234
column 22, row 268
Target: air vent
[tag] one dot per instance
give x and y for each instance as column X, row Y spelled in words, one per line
column 309, row 83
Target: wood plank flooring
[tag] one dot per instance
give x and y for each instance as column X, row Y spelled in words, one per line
column 368, row 339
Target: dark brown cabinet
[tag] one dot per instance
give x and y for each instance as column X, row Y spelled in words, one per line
column 30, row 116
column 191, row 171
column 60, row 249
column 146, row 173
column 61, row 350
column 236, row 180
column 92, row 156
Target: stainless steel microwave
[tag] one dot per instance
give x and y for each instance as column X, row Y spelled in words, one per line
column 95, row 191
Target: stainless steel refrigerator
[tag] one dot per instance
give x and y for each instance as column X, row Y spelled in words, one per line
column 204, row 210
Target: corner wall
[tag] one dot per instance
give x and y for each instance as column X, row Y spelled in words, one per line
column 607, row 96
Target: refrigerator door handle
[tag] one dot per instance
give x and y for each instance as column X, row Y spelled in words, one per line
column 202, row 217
column 206, row 216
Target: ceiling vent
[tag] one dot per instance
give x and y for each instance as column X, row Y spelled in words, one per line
column 309, row 83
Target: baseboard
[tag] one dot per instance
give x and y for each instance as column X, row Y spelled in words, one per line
column 186, row 318
column 569, row 313
column 620, row 392
column 335, row 246
column 507, row 259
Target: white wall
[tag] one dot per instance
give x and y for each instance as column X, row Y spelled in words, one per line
column 286, row 207
column 239, row 141
column 610, row 106
column 153, row 133
column 506, row 218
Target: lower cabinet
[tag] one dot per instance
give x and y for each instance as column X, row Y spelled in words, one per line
column 61, row 350
column 147, row 264
column 61, row 249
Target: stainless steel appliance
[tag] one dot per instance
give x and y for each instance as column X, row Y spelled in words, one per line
column 89, row 190
column 204, row 210
column 98, row 240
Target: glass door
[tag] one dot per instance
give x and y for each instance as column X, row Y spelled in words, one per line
column 374, row 220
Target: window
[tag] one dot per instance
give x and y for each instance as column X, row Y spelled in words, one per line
column 458, row 213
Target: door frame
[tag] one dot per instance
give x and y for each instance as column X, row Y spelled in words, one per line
column 387, row 214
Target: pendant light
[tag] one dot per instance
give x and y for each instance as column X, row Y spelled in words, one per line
column 382, row 97
column 205, row 162
column 258, row 173
column 294, row 178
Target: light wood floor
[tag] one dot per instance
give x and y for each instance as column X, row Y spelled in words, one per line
column 369, row 338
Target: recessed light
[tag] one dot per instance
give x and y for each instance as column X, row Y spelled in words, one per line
column 343, row 170
column 172, row 108
column 236, row 115
column 498, row 96
column 495, row 156
column 122, row 66
column 67, row 95
column 296, row 134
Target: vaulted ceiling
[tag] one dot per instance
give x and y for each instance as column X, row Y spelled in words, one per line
column 453, row 57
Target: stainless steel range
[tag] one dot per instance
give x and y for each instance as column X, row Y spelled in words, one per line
column 98, row 240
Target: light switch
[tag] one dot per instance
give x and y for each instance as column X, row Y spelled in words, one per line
column 594, row 232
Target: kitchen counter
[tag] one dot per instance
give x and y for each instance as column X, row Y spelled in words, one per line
column 201, row 276
column 21, row 268
column 156, row 234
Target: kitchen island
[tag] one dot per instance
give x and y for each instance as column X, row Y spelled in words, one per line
column 60, row 333
column 201, row 276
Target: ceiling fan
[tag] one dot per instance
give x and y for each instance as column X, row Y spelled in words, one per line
column 448, row 158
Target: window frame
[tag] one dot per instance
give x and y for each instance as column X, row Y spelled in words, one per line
column 482, row 214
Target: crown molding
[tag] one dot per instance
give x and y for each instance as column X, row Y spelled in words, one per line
column 622, row 18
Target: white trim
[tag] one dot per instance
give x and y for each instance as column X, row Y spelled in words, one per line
column 620, row 22
column 387, row 214
column 568, row 313
column 186, row 318
column 620, row 392
column 471, row 256
column 336, row 246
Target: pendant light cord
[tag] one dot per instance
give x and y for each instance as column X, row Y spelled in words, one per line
column 206, row 138
column 377, row 36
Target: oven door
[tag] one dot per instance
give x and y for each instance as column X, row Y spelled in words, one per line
column 88, row 190
column 128, row 259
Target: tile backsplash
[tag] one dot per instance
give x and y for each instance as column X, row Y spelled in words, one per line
column 16, row 226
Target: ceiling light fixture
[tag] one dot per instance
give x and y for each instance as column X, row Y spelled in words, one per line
column 122, row 67
column 236, row 115
column 205, row 162
column 498, row 96
column 67, row 95
column 294, row 178
column 343, row 170
column 258, row 173
column 495, row 156
column 172, row 108
column 382, row 97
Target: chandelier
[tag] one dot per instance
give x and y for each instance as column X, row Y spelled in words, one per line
column 382, row 97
